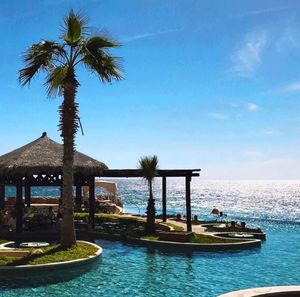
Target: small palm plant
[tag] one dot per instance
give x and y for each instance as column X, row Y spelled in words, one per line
column 149, row 166
column 60, row 60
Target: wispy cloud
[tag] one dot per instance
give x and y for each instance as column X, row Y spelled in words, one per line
column 291, row 88
column 288, row 39
column 251, row 106
column 261, row 11
column 270, row 132
column 242, row 105
column 249, row 56
column 254, row 154
column 219, row 116
column 149, row 34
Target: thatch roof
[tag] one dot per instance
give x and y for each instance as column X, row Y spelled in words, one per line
column 44, row 156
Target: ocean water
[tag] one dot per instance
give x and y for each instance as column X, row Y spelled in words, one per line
column 126, row 270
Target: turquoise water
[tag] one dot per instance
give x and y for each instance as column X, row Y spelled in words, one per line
column 135, row 271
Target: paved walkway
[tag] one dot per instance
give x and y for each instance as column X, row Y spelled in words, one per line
column 195, row 228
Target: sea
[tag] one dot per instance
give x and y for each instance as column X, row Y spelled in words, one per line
column 126, row 270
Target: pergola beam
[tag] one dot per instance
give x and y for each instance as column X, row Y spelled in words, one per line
column 160, row 172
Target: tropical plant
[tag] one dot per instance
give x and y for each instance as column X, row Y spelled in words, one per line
column 60, row 60
column 149, row 166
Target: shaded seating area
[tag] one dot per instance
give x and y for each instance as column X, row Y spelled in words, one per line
column 39, row 164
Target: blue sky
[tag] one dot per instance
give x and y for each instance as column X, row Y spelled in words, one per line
column 208, row 84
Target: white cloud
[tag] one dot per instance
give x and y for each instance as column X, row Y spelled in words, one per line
column 249, row 56
column 252, row 106
column 219, row 116
column 148, row 34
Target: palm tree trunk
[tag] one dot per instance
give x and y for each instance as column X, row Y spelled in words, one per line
column 68, row 126
column 150, row 224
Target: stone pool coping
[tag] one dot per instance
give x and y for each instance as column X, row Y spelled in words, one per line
column 261, row 236
column 199, row 246
column 56, row 265
column 279, row 291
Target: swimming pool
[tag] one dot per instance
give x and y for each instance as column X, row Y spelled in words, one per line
column 136, row 271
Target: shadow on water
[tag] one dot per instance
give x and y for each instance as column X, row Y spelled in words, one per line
column 169, row 252
column 38, row 278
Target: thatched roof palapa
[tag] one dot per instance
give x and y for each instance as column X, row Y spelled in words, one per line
column 44, row 156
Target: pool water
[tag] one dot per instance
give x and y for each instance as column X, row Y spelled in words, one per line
column 135, row 271
column 126, row 270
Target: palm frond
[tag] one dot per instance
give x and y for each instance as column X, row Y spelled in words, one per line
column 95, row 43
column 104, row 66
column 148, row 166
column 55, row 80
column 74, row 28
column 40, row 56
column 96, row 57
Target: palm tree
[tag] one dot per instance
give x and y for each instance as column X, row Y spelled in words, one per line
column 60, row 60
column 149, row 166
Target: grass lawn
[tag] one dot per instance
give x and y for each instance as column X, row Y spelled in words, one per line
column 176, row 228
column 4, row 260
column 200, row 238
column 150, row 237
column 103, row 217
column 3, row 241
column 51, row 254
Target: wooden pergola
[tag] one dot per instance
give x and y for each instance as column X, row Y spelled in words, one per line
column 163, row 173
column 39, row 163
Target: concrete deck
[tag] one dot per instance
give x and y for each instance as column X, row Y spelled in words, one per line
column 280, row 291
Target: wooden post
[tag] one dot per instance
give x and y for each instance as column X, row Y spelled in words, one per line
column 2, row 197
column 188, row 203
column 92, row 201
column 78, row 196
column 164, row 198
column 19, row 206
column 27, row 195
